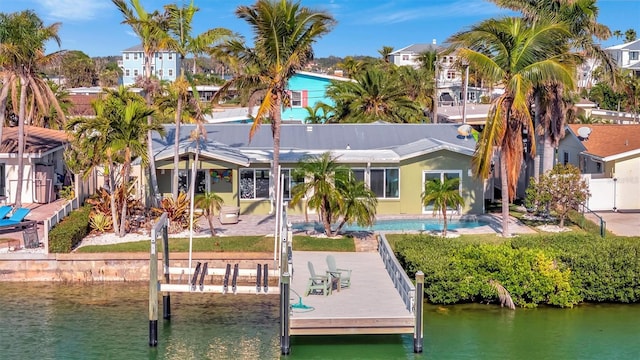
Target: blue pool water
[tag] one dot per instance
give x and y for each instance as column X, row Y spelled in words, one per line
column 398, row 225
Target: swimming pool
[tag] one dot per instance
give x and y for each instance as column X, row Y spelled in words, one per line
column 399, row 225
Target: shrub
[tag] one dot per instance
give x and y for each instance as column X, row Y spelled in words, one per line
column 70, row 231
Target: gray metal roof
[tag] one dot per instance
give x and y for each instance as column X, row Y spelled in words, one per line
column 417, row 48
column 379, row 142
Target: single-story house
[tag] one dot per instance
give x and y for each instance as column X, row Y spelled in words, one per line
column 609, row 157
column 393, row 159
column 44, row 169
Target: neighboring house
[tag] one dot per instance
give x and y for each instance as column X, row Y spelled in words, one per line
column 626, row 56
column 608, row 155
column 449, row 78
column 44, row 168
column 307, row 89
column 393, row 159
column 165, row 65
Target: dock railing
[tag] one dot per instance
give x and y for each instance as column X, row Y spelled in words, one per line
column 400, row 279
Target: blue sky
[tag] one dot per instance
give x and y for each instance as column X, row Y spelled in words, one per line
column 363, row 27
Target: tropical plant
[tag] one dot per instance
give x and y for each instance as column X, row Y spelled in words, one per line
column 177, row 211
column 420, row 86
column 520, row 56
column 113, row 138
column 151, row 28
column 375, row 96
column 209, row 202
column 359, row 203
column 443, row 195
column 100, row 222
column 321, row 187
column 23, row 37
column 320, row 113
column 351, row 66
column 180, row 28
column 630, row 35
column 384, row 52
column 284, row 32
column 561, row 190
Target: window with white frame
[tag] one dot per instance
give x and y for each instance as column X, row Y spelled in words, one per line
column 184, row 181
column 291, row 179
column 170, row 72
column 135, row 72
column 633, row 55
column 160, row 72
column 385, row 183
column 441, row 175
column 126, row 56
column 254, row 184
column 127, row 72
column 296, row 99
column 170, row 56
column 451, row 74
column 135, row 56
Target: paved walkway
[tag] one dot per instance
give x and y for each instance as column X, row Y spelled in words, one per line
column 619, row 223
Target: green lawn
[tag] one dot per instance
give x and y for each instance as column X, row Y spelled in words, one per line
column 228, row 244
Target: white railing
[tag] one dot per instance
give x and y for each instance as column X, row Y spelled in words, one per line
column 400, row 279
column 54, row 219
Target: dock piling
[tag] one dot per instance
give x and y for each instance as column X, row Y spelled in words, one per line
column 205, row 269
column 235, row 278
column 265, row 282
column 258, row 278
column 418, row 338
column 225, row 282
column 285, row 345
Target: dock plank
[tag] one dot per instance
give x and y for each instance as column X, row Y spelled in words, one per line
column 370, row 306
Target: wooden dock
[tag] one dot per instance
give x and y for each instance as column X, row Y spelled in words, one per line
column 371, row 305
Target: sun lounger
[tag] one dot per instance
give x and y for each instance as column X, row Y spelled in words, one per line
column 5, row 210
column 16, row 220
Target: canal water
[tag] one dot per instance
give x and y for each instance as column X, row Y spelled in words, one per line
column 110, row 321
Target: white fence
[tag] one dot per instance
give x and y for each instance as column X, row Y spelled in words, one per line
column 611, row 194
column 400, row 279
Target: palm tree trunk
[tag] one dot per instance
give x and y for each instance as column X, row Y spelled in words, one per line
column 548, row 154
column 276, row 123
column 444, row 217
column 153, row 177
column 113, row 189
column 326, row 217
column 3, row 101
column 539, row 138
column 21, row 121
column 505, row 194
column 176, row 150
column 125, row 185
column 211, row 227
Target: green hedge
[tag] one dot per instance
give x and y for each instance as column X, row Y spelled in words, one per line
column 560, row 270
column 70, row 231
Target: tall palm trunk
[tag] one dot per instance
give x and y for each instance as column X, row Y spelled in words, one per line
column 153, row 177
column 113, row 189
column 325, row 210
column 444, row 217
column 505, row 193
column 21, row 121
column 126, row 168
column 276, row 124
column 3, row 104
column 176, row 150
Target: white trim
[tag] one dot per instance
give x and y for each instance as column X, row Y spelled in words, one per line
column 425, row 210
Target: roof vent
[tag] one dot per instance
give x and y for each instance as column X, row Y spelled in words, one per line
column 584, row 132
column 433, row 41
column 309, row 128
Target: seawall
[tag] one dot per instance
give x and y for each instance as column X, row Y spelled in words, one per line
column 79, row 267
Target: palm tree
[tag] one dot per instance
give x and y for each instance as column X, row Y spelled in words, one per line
column 183, row 42
column 520, row 56
column 443, row 195
column 420, row 86
column 581, row 18
column 617, row 34
column 23, row 37
column 320, row 113
column 322, row 187
column 116, row 136
column 151, row 29
column 209, row 202
column 630, row 35
column 284, row 32
column 376, row 95
column 351, row 66
column 359, row 204
column 384, row 52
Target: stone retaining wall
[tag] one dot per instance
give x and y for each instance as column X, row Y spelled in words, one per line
column 112, row 266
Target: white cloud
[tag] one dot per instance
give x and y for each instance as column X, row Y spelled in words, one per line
column 77, row 10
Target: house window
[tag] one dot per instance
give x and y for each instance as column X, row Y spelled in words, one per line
column 170, row 56
column 385, row 182
column 126, row 56
column 565, row 159
column 451, row 74
column 441, row 175
column 254, row 183
column 291, row 179
column 184, row 181
column 405, row 57
column 2, row 181
column 135, row 56
column 160, row 72
column 633, row 55
column 135, row 72
column 598, row 167
column 127, row 72
column 296, row 99
column 170, row 72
